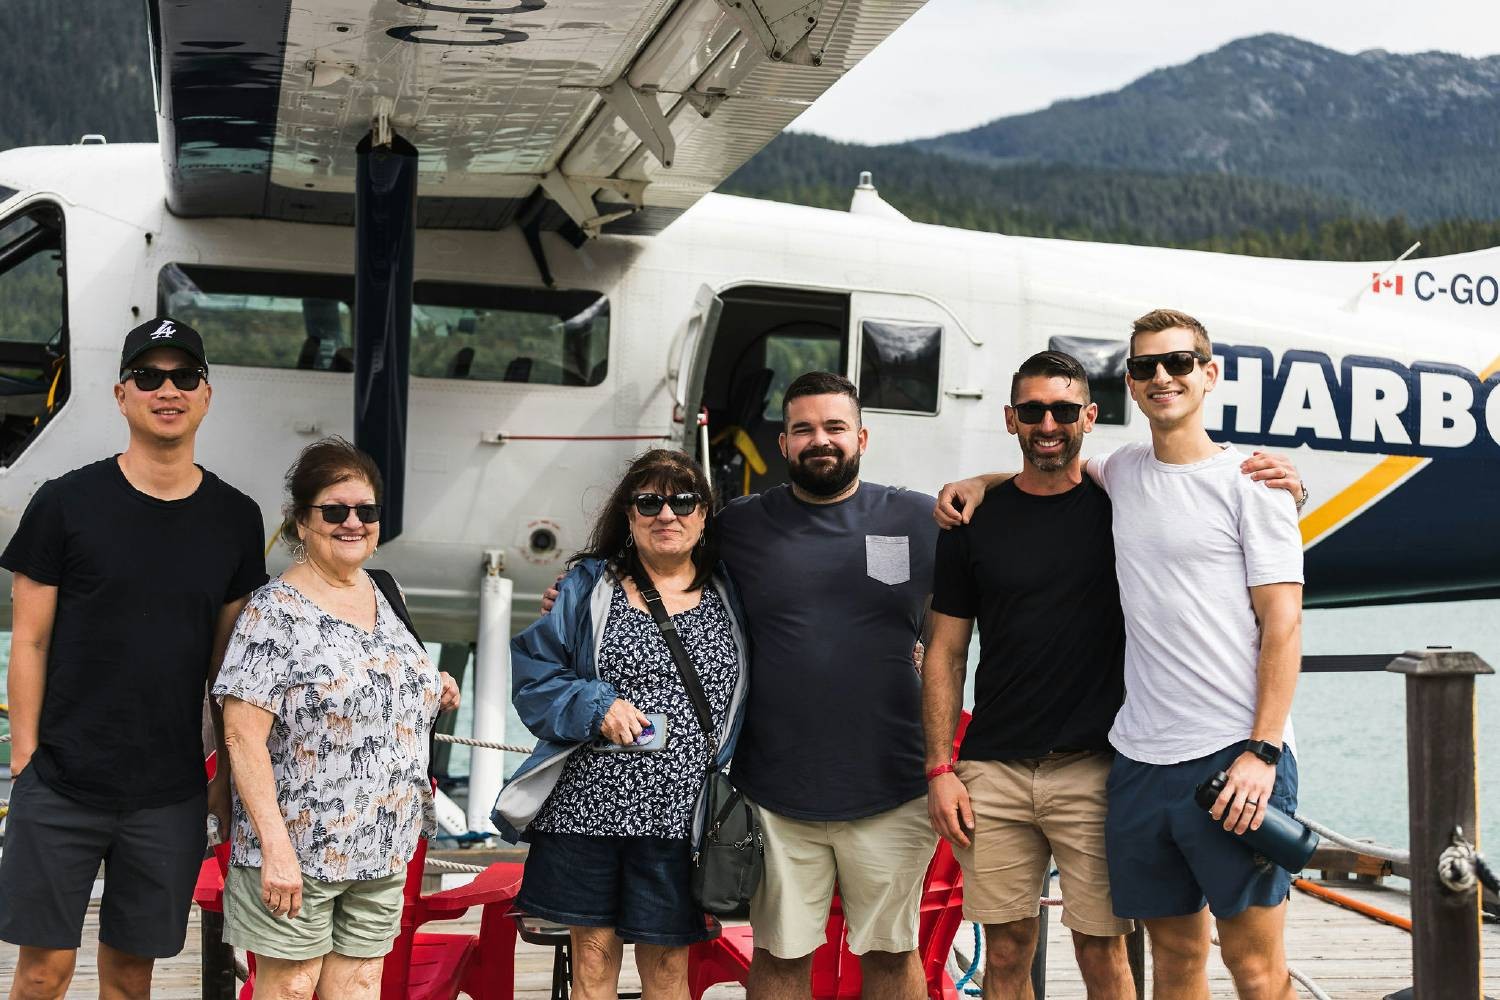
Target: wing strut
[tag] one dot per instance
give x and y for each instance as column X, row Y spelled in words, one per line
column 385, row 217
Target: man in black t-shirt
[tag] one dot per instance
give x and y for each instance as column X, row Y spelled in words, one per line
column 129, row 574
column 1035, row 566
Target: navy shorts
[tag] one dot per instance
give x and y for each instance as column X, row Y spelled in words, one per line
column 1167, row 856
column 640, row 886
column 53, row 849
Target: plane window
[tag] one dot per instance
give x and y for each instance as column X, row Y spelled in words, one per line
column 305, row 321
column 788, row 356
column 1104, row 360
column 899, row 365
column 34, row 382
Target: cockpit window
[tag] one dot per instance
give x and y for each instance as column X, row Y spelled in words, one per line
column 493, row 333
column 34, row 382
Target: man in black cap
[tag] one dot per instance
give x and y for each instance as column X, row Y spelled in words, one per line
column 129, row 574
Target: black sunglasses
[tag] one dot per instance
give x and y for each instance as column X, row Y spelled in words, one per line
column 150, row 379
column 338, row 513
column 1143, row 366
column 1033, row 413
column 650, row 504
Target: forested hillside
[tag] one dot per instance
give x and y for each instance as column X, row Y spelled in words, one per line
column 1200, row 211
column 67, row 69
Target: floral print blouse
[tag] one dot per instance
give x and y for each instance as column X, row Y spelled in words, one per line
column 353, row 712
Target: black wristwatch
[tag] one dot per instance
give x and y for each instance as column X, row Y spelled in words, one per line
column 1266, row 751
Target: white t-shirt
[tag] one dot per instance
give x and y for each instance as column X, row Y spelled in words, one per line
column 1190, row 542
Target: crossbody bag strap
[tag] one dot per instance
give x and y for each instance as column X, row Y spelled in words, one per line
column 680, row 655
column 387, row 586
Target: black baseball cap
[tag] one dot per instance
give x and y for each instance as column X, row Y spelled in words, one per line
column 163, row 331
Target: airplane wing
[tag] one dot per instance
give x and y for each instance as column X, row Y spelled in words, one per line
column 599, row 115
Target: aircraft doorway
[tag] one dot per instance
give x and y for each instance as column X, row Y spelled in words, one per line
column 765, row 338
column 34, row 382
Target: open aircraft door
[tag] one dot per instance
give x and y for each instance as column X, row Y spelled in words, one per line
column 690, row 366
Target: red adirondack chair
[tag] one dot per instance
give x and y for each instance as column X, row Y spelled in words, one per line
column 835, row 969
column 421, row 965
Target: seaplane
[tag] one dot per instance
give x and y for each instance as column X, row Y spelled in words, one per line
column 480, row 238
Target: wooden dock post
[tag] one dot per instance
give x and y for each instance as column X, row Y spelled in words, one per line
column 1443, row 797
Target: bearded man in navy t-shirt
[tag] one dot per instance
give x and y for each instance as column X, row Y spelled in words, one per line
column 835, row 576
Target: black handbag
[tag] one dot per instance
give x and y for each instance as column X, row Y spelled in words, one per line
column 730, row 858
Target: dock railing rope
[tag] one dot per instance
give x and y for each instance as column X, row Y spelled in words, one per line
column 1393, row 854
column 481, row 744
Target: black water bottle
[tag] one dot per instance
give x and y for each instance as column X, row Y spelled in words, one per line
column 1280, row 838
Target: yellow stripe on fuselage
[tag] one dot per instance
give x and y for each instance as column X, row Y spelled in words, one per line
column 1351, row 499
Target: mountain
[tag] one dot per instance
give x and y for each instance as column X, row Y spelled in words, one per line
column 1414, row 134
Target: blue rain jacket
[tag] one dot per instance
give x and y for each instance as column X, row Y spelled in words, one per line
column 560, row 697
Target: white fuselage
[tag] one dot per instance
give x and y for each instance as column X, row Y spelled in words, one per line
column 998, row 299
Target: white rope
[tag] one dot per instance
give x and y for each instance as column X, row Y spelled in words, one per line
column 1362, row 846
column 454, row 866
column 482, row 744
column 1294, row 972
column 1312, row 987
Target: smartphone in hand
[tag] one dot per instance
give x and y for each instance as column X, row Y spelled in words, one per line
column 653, row 737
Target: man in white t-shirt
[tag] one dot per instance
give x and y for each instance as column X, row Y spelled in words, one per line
column 1210, row 571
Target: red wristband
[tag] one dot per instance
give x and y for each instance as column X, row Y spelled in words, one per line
column 940, row 769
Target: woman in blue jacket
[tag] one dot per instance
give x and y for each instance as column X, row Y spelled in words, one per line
column 610, row 827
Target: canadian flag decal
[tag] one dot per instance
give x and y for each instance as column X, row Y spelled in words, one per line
column 1389, row 284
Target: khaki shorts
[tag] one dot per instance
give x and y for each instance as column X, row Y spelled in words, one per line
column 878, row 861
column 358, row 919
column 1027, row 812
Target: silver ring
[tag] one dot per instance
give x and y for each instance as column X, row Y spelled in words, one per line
column 1252, row 802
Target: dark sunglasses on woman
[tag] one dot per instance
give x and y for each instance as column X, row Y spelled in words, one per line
column 150, row 379
column 1143, row 366
column 338, row 513
column 650, row 504
column 1033, row 413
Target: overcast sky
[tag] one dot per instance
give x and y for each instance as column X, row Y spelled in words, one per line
column 960, row 63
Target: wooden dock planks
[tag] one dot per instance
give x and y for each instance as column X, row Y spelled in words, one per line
column 1351, row 957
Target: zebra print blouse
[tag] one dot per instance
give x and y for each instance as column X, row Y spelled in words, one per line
column 348, row 742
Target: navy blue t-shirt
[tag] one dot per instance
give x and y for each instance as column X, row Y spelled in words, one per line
column 835, row 595
column 140, row 585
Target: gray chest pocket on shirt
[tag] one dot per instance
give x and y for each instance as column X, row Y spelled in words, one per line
column 888, row 558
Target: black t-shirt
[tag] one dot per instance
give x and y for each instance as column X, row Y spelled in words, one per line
column 1038, row 572
column 141, row 583
column 834, row 595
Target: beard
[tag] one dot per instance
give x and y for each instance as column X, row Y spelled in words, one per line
column 824, row 480
column 1072, row 445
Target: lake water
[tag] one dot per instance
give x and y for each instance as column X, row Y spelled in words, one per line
column 1351, row 728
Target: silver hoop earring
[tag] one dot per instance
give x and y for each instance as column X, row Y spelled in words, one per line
column 703, row 540
column 629, row 541
column 299, row 553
